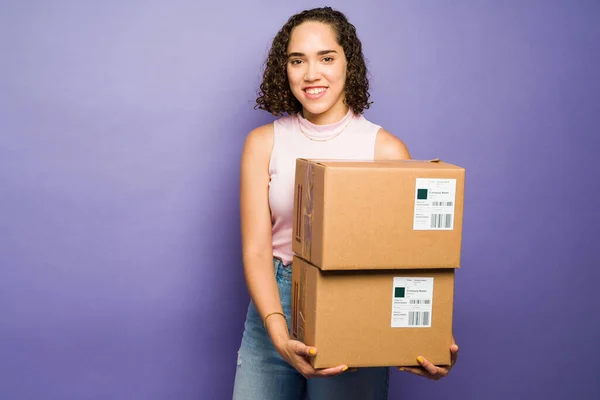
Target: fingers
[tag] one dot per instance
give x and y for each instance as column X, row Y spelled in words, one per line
column 309, row 372
column 416, row 371
column 429, row 367
column 453, row 354
column 303, row 366
column 304, row 350
column 427, row 370
column 430, row 371
column 329, row 371
column 424, row 373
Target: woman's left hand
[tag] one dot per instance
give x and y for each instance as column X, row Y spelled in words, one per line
column 430, row 371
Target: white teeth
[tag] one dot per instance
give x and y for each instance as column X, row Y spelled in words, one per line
column 315, row 91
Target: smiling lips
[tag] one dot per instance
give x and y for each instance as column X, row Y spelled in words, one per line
column 315, row 92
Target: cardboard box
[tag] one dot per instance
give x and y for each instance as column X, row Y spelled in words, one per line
column 365, row 319
column 378, row 214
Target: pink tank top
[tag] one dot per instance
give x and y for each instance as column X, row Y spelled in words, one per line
column 352, row 138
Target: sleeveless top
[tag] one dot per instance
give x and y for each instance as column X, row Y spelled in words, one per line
column 351, row 138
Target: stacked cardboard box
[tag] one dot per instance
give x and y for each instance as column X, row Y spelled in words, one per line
column 376, row 247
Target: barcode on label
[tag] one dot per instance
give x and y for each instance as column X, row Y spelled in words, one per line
column 419, row 301
column 418, row 318
column 441, row 220
column 442, row 203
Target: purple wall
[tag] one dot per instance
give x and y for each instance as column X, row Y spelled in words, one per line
column 121, row 127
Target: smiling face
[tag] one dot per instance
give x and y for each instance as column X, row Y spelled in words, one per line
column 316, row 71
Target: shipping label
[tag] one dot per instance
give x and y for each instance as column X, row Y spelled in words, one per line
column 435, row 200
column 412, row 302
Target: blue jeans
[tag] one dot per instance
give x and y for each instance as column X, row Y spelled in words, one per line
column 263, row 375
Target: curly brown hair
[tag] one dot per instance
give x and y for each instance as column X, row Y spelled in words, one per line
column 275, row 95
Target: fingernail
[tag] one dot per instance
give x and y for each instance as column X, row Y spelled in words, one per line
column 345, row 369
column 312, row 352
column 420, row 360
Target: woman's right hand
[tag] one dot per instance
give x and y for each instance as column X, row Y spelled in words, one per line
column 297, row 355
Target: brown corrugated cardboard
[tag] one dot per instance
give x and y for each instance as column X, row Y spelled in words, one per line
column 378, row 214
column 349, row 316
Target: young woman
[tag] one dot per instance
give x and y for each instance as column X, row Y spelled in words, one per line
column 316, row 74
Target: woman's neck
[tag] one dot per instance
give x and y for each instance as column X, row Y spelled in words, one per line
column 331, row 116
column 324, row 132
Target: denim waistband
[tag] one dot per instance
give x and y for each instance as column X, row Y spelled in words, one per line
column 281, row 269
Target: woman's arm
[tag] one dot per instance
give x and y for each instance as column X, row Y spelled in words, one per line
column 257, row 249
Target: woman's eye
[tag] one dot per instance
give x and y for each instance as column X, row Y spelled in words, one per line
column 295, row 62
column 328, row 59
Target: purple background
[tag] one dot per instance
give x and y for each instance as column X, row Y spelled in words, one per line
column 122, row 124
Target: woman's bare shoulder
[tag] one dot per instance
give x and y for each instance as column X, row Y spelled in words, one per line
column 390, row 147
column 260, row 140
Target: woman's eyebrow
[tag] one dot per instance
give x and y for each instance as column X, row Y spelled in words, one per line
column 320, row 53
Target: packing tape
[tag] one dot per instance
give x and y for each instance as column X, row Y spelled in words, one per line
column 307, row 210
column 301, row 305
